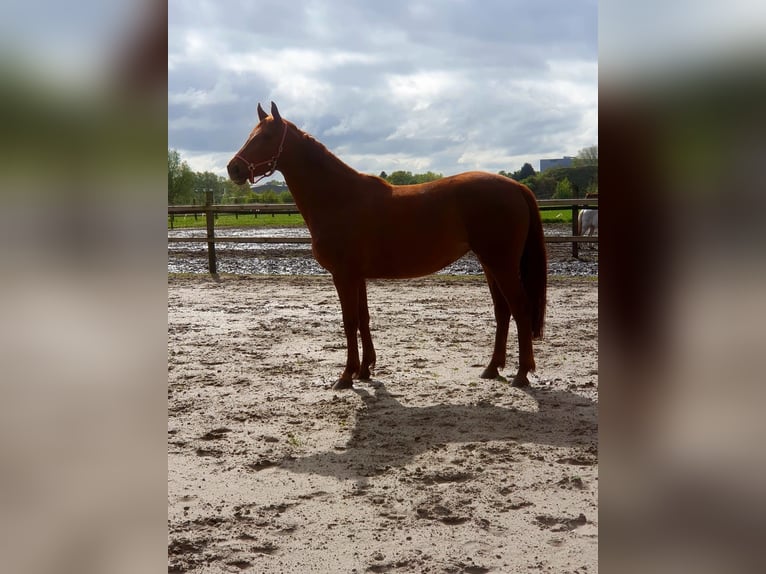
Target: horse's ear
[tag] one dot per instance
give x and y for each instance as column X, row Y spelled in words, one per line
column 275, row 112
column 261, row 113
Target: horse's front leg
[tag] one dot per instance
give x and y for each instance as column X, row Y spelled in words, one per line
column 348, row 293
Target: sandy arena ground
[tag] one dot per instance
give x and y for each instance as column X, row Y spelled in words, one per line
column 427, row 468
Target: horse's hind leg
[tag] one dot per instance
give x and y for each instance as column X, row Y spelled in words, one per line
column 368, row 351
column 503, row 318
column 510, row 286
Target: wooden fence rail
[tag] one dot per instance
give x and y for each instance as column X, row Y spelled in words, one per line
column 210, row 210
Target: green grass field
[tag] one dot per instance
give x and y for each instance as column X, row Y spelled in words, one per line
column 243, row 220
column 556, row 216
column 283, row 220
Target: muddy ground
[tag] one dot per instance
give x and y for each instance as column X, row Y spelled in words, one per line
column 427, row 468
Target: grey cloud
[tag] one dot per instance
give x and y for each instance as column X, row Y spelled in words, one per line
column 400, row 78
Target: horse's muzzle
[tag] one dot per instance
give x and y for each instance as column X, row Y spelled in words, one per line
column 236, row 172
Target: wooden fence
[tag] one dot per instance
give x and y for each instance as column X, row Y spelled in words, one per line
column 210, row 210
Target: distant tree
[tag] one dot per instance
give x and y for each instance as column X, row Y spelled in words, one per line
column 233, row 193
column 425, row 177
column 268, row 196
column 383, row 175
column 563, row 190
column 205, row 180
column 532, row 183
column 180, row 179
column 586, row 156
column 542, row 185
column 580, row 178
column 400, row 177
column 525, row 172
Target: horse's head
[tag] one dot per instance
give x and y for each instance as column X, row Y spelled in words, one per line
column 260, row 154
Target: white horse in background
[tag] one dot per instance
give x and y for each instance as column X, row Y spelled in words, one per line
column 587, row 221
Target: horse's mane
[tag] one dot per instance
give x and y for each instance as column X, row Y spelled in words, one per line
column 317, row 151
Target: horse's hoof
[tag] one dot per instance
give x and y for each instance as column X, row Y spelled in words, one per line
column 490, row 373
column 342, row 384
column 520, row 381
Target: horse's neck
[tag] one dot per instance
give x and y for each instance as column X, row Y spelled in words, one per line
column 317, row 159
column 316, row 178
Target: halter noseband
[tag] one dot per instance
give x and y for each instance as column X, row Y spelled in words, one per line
column 272, row 163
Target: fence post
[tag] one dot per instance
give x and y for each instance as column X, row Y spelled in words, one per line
column 575, row 231
column 210, row 220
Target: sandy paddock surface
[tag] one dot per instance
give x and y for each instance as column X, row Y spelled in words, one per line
column 427, row 468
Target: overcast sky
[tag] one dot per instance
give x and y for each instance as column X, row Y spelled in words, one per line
column 440, row 85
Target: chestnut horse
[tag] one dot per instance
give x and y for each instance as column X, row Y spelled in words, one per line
column 362, row 227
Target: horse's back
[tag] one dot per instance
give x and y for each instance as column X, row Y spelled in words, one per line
column 491, row 202
column 466, row 197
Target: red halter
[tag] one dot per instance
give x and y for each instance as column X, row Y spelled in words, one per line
column 272, row 163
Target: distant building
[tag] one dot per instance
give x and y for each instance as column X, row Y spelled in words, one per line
column 546, row 164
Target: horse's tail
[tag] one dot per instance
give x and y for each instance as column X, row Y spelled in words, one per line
column 579, row 222
column 534, row 267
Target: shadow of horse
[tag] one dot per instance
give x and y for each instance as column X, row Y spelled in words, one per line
column 388, row 434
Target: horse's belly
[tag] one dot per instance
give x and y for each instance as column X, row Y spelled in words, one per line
column 393, row 245
column 413, row 260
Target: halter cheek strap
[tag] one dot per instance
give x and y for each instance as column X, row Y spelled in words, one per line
column 272, row 163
